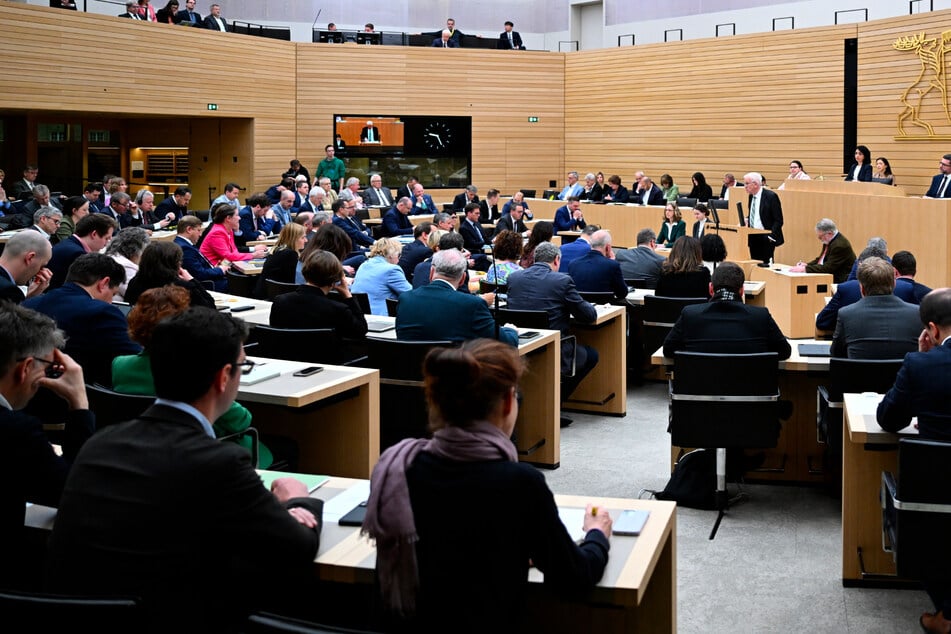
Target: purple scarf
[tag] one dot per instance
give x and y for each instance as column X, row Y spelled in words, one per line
column 389, row 518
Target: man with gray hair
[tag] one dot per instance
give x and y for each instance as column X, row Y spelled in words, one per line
column 765, row 212
column 881, row 251
column 467, row 196
column 376, row 195
column 597, row 271
column 836, row 257
column 849, row 292
column 439, row 307
column 396, row 221
column 23, row 263
column 119, row 209
column 352, row 192
column 573, row 188
column 642, row 262
column 578, row 248
column 46, row 222
column 41, row 198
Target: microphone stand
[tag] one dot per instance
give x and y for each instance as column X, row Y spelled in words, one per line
column 314, row 25
column 495, row 273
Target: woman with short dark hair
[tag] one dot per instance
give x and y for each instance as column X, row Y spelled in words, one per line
column 161, row 265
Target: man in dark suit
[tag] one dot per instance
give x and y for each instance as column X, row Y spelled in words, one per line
column 422, row 202
column 468, row 196
column 93, row 232
column 177, row 204
column 189, row 232
column 570, row 217
column 509, row 39
column 438, row 308
column 417, row 250
column 23, row 187
column 119, row 525
column 880, row 325
column 96, row 331
column 489, row 208
column 445, row 40
column 512, row 221
column 407, row 189
column 22, row 263
column 370, row 133
column 542, row 287
column 647, row 193
column 41, row 198
column 396, row 221
column 131, row 12
column 941, row 183
column 474, row 237
column 120, row 209
column 189, row 16
column 725, row 324
column 836, row 257
column 906, row 267
column 597, row 271
column 31, row 470
column 765, row 212
column 577, row 248
column 344, row 211
column 642, row 262
column 376, row 195
column 214, row 21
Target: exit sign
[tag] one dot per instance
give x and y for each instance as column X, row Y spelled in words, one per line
column 533, row 119
column 212, row 106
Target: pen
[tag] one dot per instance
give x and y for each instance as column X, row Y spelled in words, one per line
column 594, row 511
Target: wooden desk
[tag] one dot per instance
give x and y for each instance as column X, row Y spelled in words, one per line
column 638, row 592
column 163, row 236
column 249, row 267
column 736, row 238
column 867, row 450
column 334, row 415
column 259, row 313
column 794, row 298
column 622, row 220
column 413, row 218
column 754, row 294
column 604, row 390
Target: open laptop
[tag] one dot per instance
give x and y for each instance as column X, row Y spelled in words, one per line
column 815, row 349
column 379, row 324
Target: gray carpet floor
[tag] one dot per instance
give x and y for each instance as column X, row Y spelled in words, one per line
column 775, row 565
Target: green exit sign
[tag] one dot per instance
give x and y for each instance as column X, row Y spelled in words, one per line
column 212, row 106
column 533, row 119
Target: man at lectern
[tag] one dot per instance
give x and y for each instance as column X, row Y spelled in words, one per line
column 370, row 133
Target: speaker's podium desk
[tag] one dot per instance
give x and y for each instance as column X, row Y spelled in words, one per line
column 736, row 239
column 794, row 298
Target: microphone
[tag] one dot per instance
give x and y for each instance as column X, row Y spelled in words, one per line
column 315, row 19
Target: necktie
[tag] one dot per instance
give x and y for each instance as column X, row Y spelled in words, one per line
column 753, row 212
column 370, row 135
column 477, row 232
column 379, row 193
column 944, row 186
column 511, row 42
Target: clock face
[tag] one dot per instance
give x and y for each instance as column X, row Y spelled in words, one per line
column 438, row 136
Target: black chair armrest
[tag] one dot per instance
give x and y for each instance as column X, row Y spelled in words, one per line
column 250, row 431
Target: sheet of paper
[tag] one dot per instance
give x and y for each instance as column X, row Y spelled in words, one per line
column 573, row 519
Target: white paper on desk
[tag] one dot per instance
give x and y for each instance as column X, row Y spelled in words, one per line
column 573, row 519
column 343, row 503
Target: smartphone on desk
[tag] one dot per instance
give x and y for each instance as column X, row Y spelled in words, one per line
column 528, row 334
column 355, row 516
column 630, row 522
column 314, row 369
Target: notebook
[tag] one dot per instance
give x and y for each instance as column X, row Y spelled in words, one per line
column 815, row 349
column 380, row 325
column 313, row 482
column 260, row 372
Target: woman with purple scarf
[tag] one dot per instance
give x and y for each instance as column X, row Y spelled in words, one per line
column 457, row 520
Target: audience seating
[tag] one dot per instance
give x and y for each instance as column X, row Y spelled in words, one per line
column 529, row 193
column 41, row 612
column 273, row 288
column 492, row 287
column 636, row 283
column 598, row 297
column 846, row 376
column 683, row 201
column 391, row 306
column 240, row 284
column 113, row 407
column 659, row 316
column 310, row 345
column 268, row 623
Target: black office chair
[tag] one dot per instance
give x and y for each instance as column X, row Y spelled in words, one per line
column 310, row 345
column 683, row 201
column 916, row 511
column 268, row 623
column 391, row 306
column 528, row 193
column 724, row 401
column 404, row 413
column 53, row 612
column 659, row 316
column 377, row 232
column 113, row 407
column 848, row 376
column 539, row 319
column 718, row 203
column 492, row 287
column 363, row 301
column 636, row 282
column 253, row 446
column 273, row 288
column 598, row 297
column 240, row 284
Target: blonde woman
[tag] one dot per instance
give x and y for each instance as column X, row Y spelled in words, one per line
column 281, row 264
column 380, row 277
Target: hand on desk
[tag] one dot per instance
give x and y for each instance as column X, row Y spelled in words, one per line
column 303, row 516
column 598, row 518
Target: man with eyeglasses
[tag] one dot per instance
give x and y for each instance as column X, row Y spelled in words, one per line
column 46, row 221
column 941, row 183
column 23, row 263
column 32, row 472
column 119, row 209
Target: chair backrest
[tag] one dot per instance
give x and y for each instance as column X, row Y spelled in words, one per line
column 725, row 400
column 923, row 472
column 522, row 318
column 528, row 193
column 718, row 203
column 240, row 284
column 861, row 375
column 636, row 283
column 50, row 612
column 400, row 362
column 492, row 287
column 659, row 316
column 267, row 623
column 597, row 297
column 311, row 345
column 113, row 407
column 392, row 305
column 363, row 301
column 273, row 288
column 683, row 201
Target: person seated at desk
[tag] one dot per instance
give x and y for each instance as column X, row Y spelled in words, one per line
column 126, row 249
column 312, row 305
column 883, row 172
column 22, row 263
column 712, row 251
column 880, row 325
column 700, row 190
column 396, row 221
column 508, row 251
column 648, row 193
column 518, row 198
column 673, row 225
column 921, row 389
column 906, row 267
column 218, row 244
column 281, row 264
column 257, row 219
column 576, row 249
column 837, row 255
column 683, row 274
column 437, row 307
column 725, row 324
column 572, row 189
column 376, row 195
column 158, row 508
column 489, row 208
column 189, row 233
column 332, row 239
column 880, row 247
column 344, row 217
column 514, row 220
column 161, row 264
column 849, row 292
column 474, row 238
column 570, row 217
column 861, row 169
column 440, row 240
column 380, row 277
column 615, row 192
column 417, row 250
column 33, row 472
column 597, row 271
column 428, row 501
column 592, row 190
column 542, row 231
column 176, row 204
column 642, row 262
column 469, row 195
column 669, row 189
column 422, row 202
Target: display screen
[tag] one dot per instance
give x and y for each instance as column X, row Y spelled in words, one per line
column 436, row 150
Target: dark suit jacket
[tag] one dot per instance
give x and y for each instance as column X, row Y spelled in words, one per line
column 921, row 389
column 571, row 251
column 640, row 263
column 838, row 260
column 371, row 198
column 910, row 291
column 246, row 224
column 540, row 288
column 936, row 185
column 211, row 24
column 848, row 293
column 96, row 332
column 308, row 307
column 876, row 327
column 437, row 311
column 451, row 43
column 411, row 255
column 9, row 289
column 473, row 237
column 428, row 208
column 194, row 19
column 199, row 267
column 621, row 196
column 64, row 254
column 771, row 214
column 656, row 196
column 507, row 223
column 702, row 193
column 355, row 229
column 168, row 205
column 564, row 221
column 594, row 273
column 395, row 223
column 404, row 192
column 596, row 193
column 728, row 327
column 460, row 201
column 365, row 133
column 121, row 524
column 504, row 43
column 865, row 174
column 487, row 215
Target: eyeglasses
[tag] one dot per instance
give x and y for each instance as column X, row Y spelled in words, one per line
column 943, row 164
column 52, row 368
column 246, row 366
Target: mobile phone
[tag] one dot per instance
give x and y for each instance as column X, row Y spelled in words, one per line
column 314, row 369
column 53, row 372
column 238, row 309
column 355, row 516
column 528, row 334
column 630, row 523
